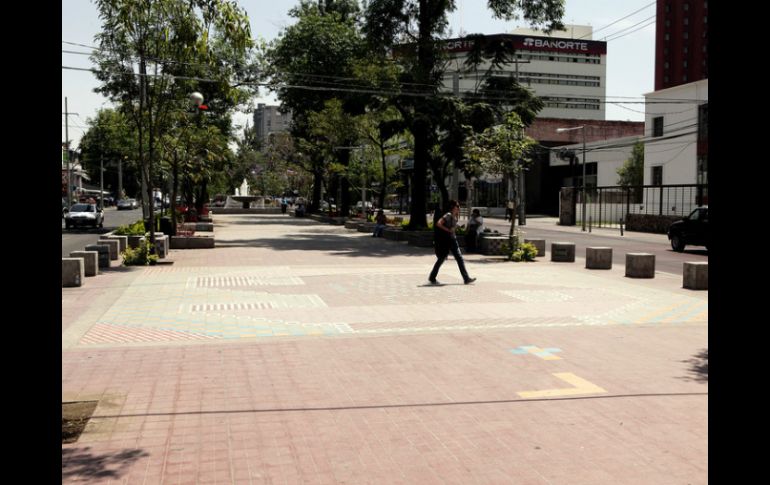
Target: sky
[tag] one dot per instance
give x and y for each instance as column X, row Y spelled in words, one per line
column 629, row 32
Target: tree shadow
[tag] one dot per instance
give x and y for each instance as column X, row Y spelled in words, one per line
column 80, row 462
column 335, row 244
column 699, row 367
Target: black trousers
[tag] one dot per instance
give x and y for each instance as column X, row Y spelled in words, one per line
column 441, row 254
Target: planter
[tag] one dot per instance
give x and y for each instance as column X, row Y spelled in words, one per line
column 394, row 234
column 192, row 242
column 421, row 239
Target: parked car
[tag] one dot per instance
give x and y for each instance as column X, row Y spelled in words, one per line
column 84, row 215
column 693, row 230
column 127, row 204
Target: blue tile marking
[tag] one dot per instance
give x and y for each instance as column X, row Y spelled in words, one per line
column 533, row 349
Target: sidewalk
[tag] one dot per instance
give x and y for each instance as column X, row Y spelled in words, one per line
column 299, row 352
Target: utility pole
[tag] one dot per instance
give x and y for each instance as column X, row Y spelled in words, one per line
column 67, row 143
column 101, row 181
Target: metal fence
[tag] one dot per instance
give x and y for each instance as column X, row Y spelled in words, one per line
column 607, row 206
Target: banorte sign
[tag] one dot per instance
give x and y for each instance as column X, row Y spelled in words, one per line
column 521, row 42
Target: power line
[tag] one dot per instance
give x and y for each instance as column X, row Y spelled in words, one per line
column 629, row 33
column 623, row 18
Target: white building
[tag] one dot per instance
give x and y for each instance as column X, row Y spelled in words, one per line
column 566, row 69
column 604, row 158
column 676, row 146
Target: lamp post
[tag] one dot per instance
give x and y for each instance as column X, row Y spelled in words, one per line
column 582, row 128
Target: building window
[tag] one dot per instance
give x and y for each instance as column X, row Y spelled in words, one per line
column 657, row 126
column 657, row 175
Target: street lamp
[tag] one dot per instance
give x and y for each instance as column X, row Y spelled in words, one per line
column 582, row 128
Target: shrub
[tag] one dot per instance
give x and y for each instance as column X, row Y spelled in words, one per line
column 140, row 256
column 135, row 229
column 525, row 252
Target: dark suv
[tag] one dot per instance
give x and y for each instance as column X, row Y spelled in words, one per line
column 693, row 230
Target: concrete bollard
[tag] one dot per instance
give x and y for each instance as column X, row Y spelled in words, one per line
column 122, row 241
column 90, row 261
column 162, row 245
column 104, row 253
column 640, row 265
column 563, row 252
column 696, row 276
column 114, row 245
column 539, row 244
column 72, row 272
column 599, row 258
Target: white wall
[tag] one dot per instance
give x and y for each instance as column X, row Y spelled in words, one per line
column 609, row 155
column 676, row 150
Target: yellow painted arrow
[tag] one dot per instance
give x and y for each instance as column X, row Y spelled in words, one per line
column 580, row 386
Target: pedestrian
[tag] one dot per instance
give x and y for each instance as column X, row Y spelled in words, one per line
column 284, row 205
column 509, row 210
column 381, row 223
column 473, row 230
column 445, row 241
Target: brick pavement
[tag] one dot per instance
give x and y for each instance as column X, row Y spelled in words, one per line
column 297, row 352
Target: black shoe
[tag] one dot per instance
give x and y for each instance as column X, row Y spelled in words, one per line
column 469, row 281
column 434, row 282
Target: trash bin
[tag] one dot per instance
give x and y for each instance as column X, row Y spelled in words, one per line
column 166, row 227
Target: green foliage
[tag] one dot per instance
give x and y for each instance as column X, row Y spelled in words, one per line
column 525, row 252
column 135, row 229
column 140, row 256
column 632, row 171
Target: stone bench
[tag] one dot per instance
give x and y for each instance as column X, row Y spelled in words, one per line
column 352, row 224
column 394, row 234
column 90, row 261
column 366, row 227
column 493, row 245
column 122, row 241
column 72, row 272
column 599, row 258
column 191, row 242
column 104, row 253
column 539, row 244
column 161, row 244
column 696, row 276
column 640, row 265
column 563, row 252
column 114, row 245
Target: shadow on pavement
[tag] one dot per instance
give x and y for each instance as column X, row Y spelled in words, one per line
column 342, row 245
column 699, row 369
column 81, row 463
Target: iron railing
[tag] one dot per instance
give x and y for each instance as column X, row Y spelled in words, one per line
column 608, row 206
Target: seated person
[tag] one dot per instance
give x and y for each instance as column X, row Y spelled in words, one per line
column 473, row 229
column 381, row 222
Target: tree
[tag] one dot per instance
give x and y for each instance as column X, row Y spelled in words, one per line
column 110, row 139
column 168, row 42
column 389, row 23
column 305, row 66
column 632, row 171
column 501, row 150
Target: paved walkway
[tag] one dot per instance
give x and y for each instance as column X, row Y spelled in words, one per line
column 299, row 352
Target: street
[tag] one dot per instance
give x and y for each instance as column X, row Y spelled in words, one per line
column 77, row 239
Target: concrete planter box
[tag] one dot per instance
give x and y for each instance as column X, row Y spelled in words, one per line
column 134, row 241
column 104, row 254
column 420, row 239
column 640, row 265
column 696, row 276
column 192, row 242
column 493, row 245
column 366, row 227
column 539, row 244
column 598, row 258
column 114, row 246
column 394, row 234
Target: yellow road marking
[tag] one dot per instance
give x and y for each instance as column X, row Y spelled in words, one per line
column 580, row 386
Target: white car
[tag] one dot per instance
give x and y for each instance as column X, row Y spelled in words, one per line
column 84, row 215
column 127, row 204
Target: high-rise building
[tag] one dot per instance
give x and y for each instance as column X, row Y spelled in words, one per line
column 268, row 119
column 681, row 45
column 566, row 69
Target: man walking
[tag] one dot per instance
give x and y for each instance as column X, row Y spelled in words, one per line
column 444, row 241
